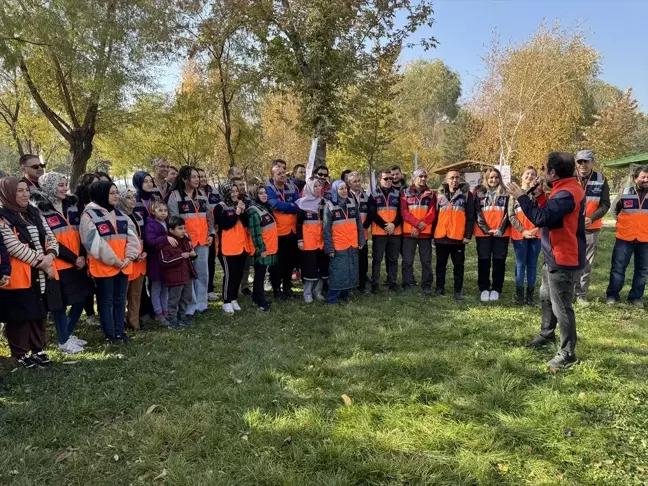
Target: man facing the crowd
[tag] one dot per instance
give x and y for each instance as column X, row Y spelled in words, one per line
column 597, row 192
column 160, row 173
column 354, row 181
column 631, row 211
column 32, row 168
column 418, row 209
column 453, row 230
column 399, row 178
column 298, row 177
column 562, row 219
column 282, row 197
column 386, row 231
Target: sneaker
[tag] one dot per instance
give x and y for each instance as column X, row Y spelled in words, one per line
column 485, row 296
column 228, row 308
column 562, row 361
column 494, row 295
column 637, row 303
column 582, row 302
column 264, row 307
column 123, row 338
column 70, row 347
column 458, row 296
column 236, row 306
column 541, row 341
column 41, row 359
column 246, row 291
column 77, row 341
column 610, row 301
column 186, row 321
column 176, row 327
column 162, row 321
column 427, row 292
column 212, row 296
column 308, row 298
column 279, row 295
column 319, row 297
column 27, row 362
column 440, row 292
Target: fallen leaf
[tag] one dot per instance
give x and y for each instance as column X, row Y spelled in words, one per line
column 244, row 437
column 581, row 395
column 320, row 390
column 63, row 456
column 287, row 440
column 144, row 477
column 150, row 409
column 70, row 362
column 641, row 469
column 162, row 475
column 239, row 382
column 346, row 400
column 131, row 433
column 116, row 457
column 13, row 472
column 628, row 453
column 503, row 467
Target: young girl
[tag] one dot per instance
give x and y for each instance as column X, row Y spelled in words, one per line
column 526, row 242
column 314, row 263
column 492, row 232
column 156, row 236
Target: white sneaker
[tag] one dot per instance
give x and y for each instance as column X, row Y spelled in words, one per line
column 77, row 341
column 212, row 297
column 228, row 309
column 236, row 306
column 485, row 296
column 494, row 295
column 70, row 348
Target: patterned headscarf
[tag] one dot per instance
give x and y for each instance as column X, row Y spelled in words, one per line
column 49, row 184
column 309, row 201
column 123, row 204
column 225, row 191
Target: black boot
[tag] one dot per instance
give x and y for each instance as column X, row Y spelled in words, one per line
column 519, row 295
column 529, row 296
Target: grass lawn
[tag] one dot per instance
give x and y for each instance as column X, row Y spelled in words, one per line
column 439, row 393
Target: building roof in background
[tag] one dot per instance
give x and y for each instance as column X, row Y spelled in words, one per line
column 463, row 166
column 638, row 159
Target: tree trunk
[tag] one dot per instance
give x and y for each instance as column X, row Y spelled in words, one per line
column 80, row 150
column 320, row 153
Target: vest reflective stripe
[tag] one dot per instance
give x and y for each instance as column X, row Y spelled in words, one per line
column 236, row 240
column 363, row 207
column 20, row 277
column 66, row 232
column 524, row 221
column 139, row 268
column 418, row 207
column 286, row 223
column 493, row 213
column 593, row 191
column 451, row 217
column 312, row 231
column 115, row 234
column 268, row 231
column 387, row 209
column 195, row 216
column 632, row 221
column 344, row 226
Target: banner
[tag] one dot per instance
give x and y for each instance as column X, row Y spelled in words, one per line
column 311, row 159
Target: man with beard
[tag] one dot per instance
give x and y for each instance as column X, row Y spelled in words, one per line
column 298, row 177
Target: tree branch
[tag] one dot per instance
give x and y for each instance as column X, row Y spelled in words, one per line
column 65, row 92
column 25, row 41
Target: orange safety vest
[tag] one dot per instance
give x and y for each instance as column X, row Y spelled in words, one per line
column 418, row 206
column 312, row 234
column 286, row 223
column 524, row 221
column 269, row 231
column 139, row 268
column 20, row 277
column 234, row 240
column 194, row 213
column 493, row 213
column 593, row 191
column 387, row 209
column 344, row 227
column 114, row 232
column 451, row 216
column 66, row 231
column 363, row 206
column 632, row 220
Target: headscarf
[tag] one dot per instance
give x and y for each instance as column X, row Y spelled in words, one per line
column 225, row 191
column 138, row 182
column 49, row 185
column 99, row 194
column 335, row 197
column 8, row 190
column 122, row 204
column 309, row 201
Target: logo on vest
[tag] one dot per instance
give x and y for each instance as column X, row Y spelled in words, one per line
column 627, row 203
column 52, row 221
column 337, row 214
column 104, row 229
column 596, row 190
column 185, row 208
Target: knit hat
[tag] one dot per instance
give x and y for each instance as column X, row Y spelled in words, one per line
column 418, row 172
column 49, row 184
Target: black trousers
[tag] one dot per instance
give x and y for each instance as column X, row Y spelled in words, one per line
column 258, row 295
column 457, row 251
column 146, row 304
column 233, row 270
column 288, row 260
column 363, row 265
column 211, row 267
column 88, row 305
column 495, row 249
column 387, row 247
column 26, row 336
column 425, row 255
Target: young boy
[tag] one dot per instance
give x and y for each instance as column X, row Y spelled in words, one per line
column 177, row 272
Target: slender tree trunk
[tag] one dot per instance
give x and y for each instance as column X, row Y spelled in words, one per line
column 80, row 150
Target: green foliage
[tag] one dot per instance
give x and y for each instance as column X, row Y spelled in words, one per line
column 457, row 137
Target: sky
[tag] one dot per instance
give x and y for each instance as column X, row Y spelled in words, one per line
column 617, row 29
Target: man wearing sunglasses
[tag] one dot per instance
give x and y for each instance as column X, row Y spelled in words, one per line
column 32, row 168
column 322, row 173
column 597, row 205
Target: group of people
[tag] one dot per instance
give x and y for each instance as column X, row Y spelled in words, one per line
column 151, row 250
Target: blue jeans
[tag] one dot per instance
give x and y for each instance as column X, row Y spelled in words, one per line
column 111, row 304
column 200, row 284
column 623, row 251
column 527, row 251
column 333, row 296
column 65, row 323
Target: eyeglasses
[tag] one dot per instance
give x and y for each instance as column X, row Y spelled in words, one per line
column 322, row 175
column 36, row 166
column 387, row 179
column 583, row 162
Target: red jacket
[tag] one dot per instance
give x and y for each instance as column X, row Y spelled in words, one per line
column 177, row 271
column 416, row 208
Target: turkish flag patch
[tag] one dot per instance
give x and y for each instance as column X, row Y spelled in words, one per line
column 627, row 203
column 185, row 208
column 52, row 221
column 104, row 229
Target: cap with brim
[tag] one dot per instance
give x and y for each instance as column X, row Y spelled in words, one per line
column 585, row 155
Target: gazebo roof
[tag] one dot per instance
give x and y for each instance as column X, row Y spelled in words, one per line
column 461, row 166
column 624, row 162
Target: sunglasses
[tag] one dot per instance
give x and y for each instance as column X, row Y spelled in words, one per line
column 36, row 166
column 387, row 179
column 583, row 162
column 322, row 175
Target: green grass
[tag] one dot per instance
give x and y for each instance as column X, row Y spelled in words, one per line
column 441, row 394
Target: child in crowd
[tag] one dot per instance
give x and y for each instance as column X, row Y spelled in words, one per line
column 156, row 237
column 178, row 271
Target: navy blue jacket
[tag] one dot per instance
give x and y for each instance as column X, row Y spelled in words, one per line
column 5, row 263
